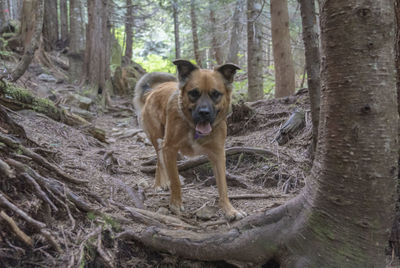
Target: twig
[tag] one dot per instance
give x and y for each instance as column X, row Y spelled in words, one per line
column 24, row 237
column 103, row 253
column 82, row 245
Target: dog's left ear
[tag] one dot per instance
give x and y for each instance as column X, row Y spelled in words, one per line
column 228, row 71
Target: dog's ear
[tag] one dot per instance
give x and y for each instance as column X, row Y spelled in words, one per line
column 228, row 71
column 185, row 68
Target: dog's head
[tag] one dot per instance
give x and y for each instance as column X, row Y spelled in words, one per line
column 205, row 94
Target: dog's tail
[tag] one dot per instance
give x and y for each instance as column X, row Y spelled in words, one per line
column 146, row 84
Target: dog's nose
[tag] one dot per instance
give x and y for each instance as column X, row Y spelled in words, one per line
column 204, row 112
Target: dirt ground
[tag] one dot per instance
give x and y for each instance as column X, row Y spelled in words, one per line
column 114, row 169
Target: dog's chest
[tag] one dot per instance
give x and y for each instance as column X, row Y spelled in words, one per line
column 192, row 146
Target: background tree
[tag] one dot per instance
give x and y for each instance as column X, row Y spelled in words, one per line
column 193, row 20
column 76, row 45
column 128, row 31
column 284, row 69
column 175, row 9
column 311, row 45
column 254, row 51
column 235, row 33
column 50, row 25
column 64, row 21
column 354, row 176
column 217, row 53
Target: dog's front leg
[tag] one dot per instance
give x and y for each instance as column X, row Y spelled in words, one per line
column 217, row 159
column 169, row 163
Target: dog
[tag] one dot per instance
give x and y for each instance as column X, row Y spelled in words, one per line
column 187, row 115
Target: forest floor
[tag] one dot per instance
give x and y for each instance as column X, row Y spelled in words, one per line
column 257, row 181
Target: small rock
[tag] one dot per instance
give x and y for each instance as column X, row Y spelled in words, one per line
column 47, row 78
column 206, row 213
column 163, row 211
column 143, row 183
column 141, row 137
column 83, row 102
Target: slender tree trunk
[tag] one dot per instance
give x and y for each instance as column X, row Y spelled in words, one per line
column 75, row 54
column 342, row 216
column 254, row 51
column 284, row 68
column 311, row 45
column 37, row 20
column 64, row 20
column 235, row 34
column 128, row 31
column 50, row 25
column 98, row 39
column 4, row 12
column 217, row 53
column 175, row 10
column 193, row 19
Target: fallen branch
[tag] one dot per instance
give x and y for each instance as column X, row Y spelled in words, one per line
column 197, row 161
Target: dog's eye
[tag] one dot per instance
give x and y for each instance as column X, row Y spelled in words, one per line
column 215, row 94
column 194, row 94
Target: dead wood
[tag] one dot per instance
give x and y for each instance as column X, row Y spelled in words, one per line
column 197, row 161
column 291, row 127
column 133, row 195
column 5, row 170
column 39, row 191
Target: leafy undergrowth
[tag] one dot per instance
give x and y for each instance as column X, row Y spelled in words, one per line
column 65, row 196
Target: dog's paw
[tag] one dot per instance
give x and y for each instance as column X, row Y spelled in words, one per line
column 235, row 215
column 176, row 208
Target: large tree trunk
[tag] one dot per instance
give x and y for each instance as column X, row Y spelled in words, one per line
column 254, row 51
column 311, row 45
column 98, row 39
column 64, row 21
column 284, row 68
column 75, row 54
column 31, row 36
column 128, row 31
column 217, row 53
column 235, row 34
column 193, row 19
column 50, row 25
column 175, row 10
column 343, row 215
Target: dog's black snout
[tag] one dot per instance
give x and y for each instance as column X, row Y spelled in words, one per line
column 204, row 112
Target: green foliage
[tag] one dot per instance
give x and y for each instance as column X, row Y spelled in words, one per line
column 156, row 63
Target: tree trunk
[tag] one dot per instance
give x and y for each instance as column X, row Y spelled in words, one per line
column 4, row 12
column 311, row 46
column 128, row 31
column 32, row 36
column 284, row 68
column 235, row 34
column 175, row 10
column 75, row 53
column 64, row 21
column 254, row 51
column 217, row 53
column 193, row 19
column 98, row 39
column 50, row 25
column 342, row 216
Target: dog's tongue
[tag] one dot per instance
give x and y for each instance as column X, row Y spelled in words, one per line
column 203, row 128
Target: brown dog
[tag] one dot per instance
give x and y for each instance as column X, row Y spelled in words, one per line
column 187, row 116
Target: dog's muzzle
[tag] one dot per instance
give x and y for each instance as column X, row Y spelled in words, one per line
column 203, row 117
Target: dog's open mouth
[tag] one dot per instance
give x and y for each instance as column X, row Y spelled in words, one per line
column 203, row 128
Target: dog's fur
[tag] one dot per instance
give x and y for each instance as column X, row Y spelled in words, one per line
column 187, row 116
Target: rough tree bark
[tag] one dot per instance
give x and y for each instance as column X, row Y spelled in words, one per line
column 175, row 11
column 284, row 68
column 311, row 45
column 193, row 19
column 254, row 51
column 98, row 39
column 128, row 31
column 64, row 20
column 4, row 12
column 235, row 33
column 50, row 25
column 75, row 53
column 31, row 36
column 217, row 53
column 343, row 215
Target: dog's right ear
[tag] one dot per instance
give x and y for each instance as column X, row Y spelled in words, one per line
column 185, row 68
